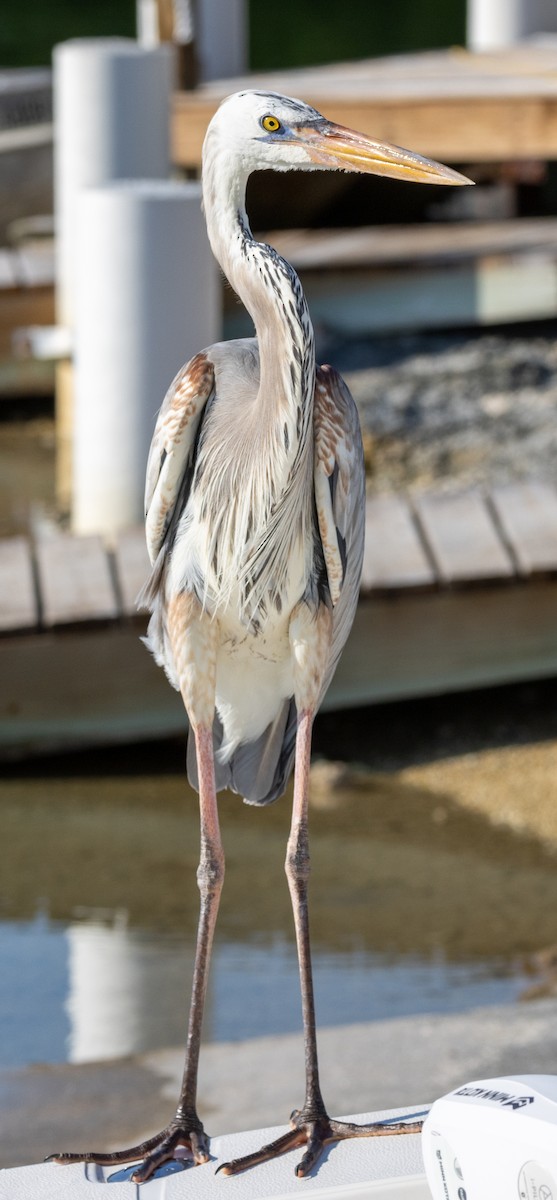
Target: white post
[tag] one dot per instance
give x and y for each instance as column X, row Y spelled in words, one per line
column 111, row 105
column 221, row 38
column 493, row 24
column 111, row 102
column 219, row 29
column 147, row 23
column 147, row 299
column 546, row 17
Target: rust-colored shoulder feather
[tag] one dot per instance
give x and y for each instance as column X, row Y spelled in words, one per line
column 173, row 446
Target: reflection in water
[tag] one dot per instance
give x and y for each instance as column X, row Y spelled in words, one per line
column 126, row 990
column 410, row 913
column 108, row 991
column 33, row 987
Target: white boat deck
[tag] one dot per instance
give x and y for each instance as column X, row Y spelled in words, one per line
column 385, row 1168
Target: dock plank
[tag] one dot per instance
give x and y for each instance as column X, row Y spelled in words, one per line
column 359, row 282
column 464, row 542
column 132, row 566
column 527, row 513
column 74, row 580
column 387, row 245
column 449, row 104
column 35, row 263
column 18, row 599
column 410, row 637
column 365, row 246
column 61, row 691
column 394, row 556
column 8, row 273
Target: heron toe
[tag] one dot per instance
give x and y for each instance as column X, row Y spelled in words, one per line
column 153, row 1152
column 316, row 1133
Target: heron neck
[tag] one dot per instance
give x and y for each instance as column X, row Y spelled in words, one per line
column 272, row 293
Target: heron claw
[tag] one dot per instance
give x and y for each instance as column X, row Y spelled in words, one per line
column 316, row 1134
column 154, row 1152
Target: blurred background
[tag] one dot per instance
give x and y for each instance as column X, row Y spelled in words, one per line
column 308, row 34
column 434, row 788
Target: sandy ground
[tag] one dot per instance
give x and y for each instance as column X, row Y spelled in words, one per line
column 515, row 786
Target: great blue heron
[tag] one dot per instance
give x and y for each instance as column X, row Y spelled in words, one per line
column 255, row 528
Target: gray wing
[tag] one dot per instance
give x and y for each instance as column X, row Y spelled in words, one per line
column 170, row 468
column 339, row 476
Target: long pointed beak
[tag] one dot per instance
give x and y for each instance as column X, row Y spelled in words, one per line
column 332, row 145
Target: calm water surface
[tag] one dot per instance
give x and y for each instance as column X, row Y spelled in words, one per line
column 415, row 907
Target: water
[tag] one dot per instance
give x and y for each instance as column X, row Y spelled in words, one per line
column 106, row 992
column 412, row 911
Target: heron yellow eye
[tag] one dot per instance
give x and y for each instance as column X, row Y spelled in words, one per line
column 271, row 124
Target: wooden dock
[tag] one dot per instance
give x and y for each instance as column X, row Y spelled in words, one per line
column 390, row 278
column 452, row 105
column 459, row 590
column 358, row 282
column 26, row 299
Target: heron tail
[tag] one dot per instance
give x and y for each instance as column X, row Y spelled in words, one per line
column 257, row 770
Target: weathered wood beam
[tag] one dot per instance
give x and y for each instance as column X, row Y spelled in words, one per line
column 475, row 129
column 100, row 686
column 448, row 104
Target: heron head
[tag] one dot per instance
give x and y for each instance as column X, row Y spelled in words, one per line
column 266, row 130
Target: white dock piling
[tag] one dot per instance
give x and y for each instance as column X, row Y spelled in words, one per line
column 147, row 299
column 111, row 105
column 492, row 24
column 222, row 39
column 218, row 28
column 111, row 100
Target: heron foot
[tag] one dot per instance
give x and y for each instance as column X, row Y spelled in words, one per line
column 155, row 1151
column 316, row 1133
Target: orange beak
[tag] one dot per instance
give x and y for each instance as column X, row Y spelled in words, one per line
column 334, row 146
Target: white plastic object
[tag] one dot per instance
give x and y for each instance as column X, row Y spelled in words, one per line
column 382, row 1168
column 494, row 1139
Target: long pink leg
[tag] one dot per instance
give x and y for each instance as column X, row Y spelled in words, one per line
column 193, row 637
column 311, row 1124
